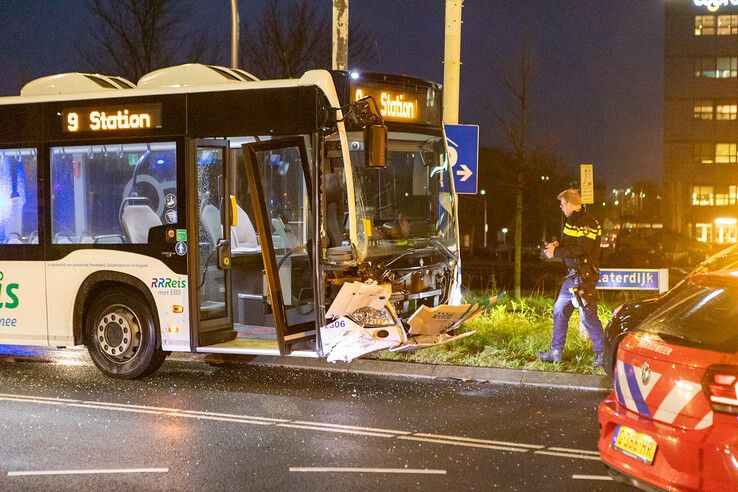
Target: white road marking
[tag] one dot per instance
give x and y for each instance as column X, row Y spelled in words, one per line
column 481, row 441
column 86, row 472
column 568, row 455
column 314, row 426
column 570, row 450
column 332, row 429
column 353, row 427
column 463, row 443
column 367, row 470
column 591, row 477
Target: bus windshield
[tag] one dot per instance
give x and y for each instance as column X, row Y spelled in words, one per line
column 407, row 204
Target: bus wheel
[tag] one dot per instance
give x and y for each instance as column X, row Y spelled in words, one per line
column 122, row 337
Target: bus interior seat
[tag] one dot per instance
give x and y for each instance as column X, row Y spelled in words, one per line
column 63, row 238
column 136, row 220
column 14, row 238
column 243, row 235
column 335, row 218
column 211, row 223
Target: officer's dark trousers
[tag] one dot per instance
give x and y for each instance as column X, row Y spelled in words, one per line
column 563, row 308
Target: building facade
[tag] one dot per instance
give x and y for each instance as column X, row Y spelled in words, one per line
column 700, row 118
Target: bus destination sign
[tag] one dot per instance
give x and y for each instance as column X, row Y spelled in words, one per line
column 111, row 118
column 395, row 104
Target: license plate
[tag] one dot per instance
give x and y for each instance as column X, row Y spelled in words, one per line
column 635, row 444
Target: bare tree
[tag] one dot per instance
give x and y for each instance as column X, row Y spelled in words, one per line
column 514, row 123
column 290, row 38
column 133, row 37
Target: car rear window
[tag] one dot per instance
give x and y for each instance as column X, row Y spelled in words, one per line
column 704, row 316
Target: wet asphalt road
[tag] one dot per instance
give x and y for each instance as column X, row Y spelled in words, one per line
column 192, row 426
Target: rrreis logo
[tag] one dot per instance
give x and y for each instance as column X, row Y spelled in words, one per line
column 714, row 5
column 8, row 293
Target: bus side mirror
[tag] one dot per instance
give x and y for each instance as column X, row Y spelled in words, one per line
column 375, row 145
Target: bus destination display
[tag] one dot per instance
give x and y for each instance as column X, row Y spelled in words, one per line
column 112, row 118
column 395, row 104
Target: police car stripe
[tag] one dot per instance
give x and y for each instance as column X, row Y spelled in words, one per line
column 705, row 422
column 679, row 396
column 624, row 389
column 635, row 391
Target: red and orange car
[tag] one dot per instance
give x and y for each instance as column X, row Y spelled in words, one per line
column 671, row 422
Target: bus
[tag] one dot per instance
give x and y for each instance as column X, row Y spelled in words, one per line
column 204, row 210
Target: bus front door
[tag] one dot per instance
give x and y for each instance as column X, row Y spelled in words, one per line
column 278, row 180
column 210, row 264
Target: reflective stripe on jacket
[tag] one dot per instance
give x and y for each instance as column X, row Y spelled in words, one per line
column 580, row 241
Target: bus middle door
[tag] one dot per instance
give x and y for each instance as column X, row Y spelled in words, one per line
column 210, row 213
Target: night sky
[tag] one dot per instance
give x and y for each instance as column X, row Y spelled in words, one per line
column 597, row 95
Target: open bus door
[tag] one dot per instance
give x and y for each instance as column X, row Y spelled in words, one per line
column 210, row 222
column 278, row 178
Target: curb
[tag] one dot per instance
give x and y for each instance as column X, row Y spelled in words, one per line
column 431, row 371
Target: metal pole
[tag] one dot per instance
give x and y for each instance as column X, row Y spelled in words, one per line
column 452, row 61
column 340, row 34
column 234, row 33
column 486, row 227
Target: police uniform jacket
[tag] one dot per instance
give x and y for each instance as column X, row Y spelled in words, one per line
column 580, row 242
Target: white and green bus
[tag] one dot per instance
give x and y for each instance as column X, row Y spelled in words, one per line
column 203, row 210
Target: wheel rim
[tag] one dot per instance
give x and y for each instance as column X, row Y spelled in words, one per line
column 118, row 333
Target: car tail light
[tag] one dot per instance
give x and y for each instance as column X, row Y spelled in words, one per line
column 721, row 387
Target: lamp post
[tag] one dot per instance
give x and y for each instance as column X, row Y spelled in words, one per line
column 486, row 226
column 234, row 33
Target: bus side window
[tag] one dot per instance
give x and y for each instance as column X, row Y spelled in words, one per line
column 112, row 194
column 18, row 196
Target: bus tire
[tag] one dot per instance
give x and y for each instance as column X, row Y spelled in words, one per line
column 122, row 336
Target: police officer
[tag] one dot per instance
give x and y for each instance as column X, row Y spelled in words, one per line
column 579, row 250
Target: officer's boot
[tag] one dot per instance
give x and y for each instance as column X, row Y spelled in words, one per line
column 597, row 362
column 552, row 355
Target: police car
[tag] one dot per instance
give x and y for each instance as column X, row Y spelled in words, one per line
column 672, row 420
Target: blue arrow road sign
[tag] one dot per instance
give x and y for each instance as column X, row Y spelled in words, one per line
column 463, row 154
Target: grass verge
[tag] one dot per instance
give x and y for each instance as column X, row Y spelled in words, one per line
column 508, row 335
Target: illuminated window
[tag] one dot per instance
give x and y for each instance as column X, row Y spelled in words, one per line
column 727, row 67
column 725, row 195
column 726, row 112
column 726, row 230
column 703, row 110
column 704, row 153
column 703, row 196
column 703, row 232
column 716, row 68
column 103, row 195
column 726, row 25
column 705, row 67
column 704, row 25
column 726, row 153
column 18, row 196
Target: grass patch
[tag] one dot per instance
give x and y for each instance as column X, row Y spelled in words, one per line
column 508, row 335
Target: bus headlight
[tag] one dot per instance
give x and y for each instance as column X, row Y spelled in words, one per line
column 369, row 317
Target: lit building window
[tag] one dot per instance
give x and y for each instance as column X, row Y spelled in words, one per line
column 726, row 25
column 704, row 153
column 703, row 232
column 705, row 67
column 704, row 25
column 703, row 110
column 726, row 112
column 703, row 196
column 726, row 153
column 725, row 195
column 726, row 230
column 724, row 67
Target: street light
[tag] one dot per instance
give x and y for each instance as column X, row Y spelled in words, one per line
column 486, row 226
